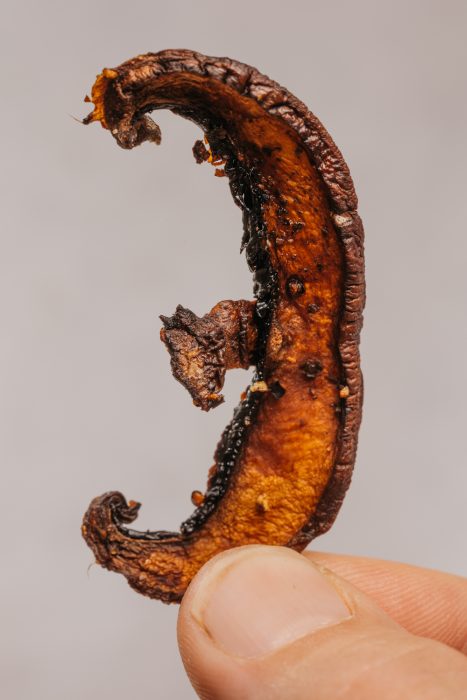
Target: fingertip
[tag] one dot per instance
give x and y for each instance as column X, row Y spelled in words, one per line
column 253, row 600
column 244, row 607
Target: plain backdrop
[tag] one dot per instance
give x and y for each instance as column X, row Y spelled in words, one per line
column 97, row 242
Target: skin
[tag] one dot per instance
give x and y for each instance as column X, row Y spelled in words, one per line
column 284, row 463
column 404, row 638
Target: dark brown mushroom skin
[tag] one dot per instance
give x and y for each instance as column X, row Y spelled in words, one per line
column 284, row 463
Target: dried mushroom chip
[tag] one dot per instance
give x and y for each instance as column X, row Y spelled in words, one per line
column 284, row 463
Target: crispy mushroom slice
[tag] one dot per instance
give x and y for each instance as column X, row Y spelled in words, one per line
column 283, row 464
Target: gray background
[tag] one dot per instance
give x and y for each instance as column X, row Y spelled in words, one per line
column 96, row 242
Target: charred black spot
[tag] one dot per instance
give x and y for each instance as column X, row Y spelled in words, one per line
column 312, row 308
column 311, row 369
column 277, row 390
column 297, row 226
column 294, row 287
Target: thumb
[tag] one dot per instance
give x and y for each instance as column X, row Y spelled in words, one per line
column 264, row 622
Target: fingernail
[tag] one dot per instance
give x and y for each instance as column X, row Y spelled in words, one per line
column 256, row 600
